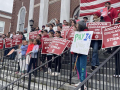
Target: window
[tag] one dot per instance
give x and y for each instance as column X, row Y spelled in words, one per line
column 21, row 19
column 2, row 25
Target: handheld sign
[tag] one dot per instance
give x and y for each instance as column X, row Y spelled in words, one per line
column 45, row 45
column 104, row 11
column 114, row 20
column 58, row 45
column 81, row 42
column 111, row 36
column 17, row 39
column 63, row 34
column 1, row 43
column 70, row 36
column 8, row 42
column 33, row 35
column 97, row 28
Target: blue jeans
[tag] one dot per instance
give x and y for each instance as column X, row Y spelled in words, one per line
column 95, row 59
column 81, row 66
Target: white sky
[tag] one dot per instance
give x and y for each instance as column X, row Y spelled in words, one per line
column 6, row 5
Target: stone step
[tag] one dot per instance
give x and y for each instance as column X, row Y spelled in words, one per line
column 34, row 86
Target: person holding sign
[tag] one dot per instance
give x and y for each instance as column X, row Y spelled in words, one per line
column 96, row 44
column 58, row 59
column 81, row 59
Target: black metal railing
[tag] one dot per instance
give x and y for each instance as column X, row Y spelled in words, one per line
column 106, row 76
column 39, row 78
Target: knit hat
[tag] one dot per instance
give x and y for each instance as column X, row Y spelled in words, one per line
column 97, row 13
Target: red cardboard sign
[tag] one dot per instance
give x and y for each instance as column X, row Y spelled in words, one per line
column 8, row 42
column 114, row 20
column 33, row 35
column 97, row 28
column 70, row 36
column 111, row 36
column 17, row 39
column 104, row 11
column 45, row 45
column 63, row 34
column 58, row 45
column 1, row 43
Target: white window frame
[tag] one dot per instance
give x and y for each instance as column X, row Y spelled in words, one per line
column 3, row 27
column 19, row 17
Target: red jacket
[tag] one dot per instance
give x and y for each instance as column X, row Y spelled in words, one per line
column 30, row 47
column 112, row 13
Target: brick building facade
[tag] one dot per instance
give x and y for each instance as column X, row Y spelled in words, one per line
column 5, row 22
column 53, row 10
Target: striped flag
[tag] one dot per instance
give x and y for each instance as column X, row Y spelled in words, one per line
column 87, row 7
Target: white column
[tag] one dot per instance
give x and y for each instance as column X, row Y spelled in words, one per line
column 43, row 13
column 31, row 12
column 65, row 10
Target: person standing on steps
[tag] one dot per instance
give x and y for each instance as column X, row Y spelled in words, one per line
column 117, row 57
column 81, row 59
column 112, row 13
column 96, row 44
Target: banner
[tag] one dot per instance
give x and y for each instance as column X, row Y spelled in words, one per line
column 58, row 45
column 45, row 45
column 104, row 11
column 70, row 36
column 8, row 42
column 1, row 43
column 17, row 39
column 33, row 35
column 97, row 28
column 81, row 42
column 111, row 36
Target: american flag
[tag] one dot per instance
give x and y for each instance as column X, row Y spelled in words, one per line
column 87, row 7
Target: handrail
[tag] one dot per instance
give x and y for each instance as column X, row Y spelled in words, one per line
column 97, row 69
column 32, row 71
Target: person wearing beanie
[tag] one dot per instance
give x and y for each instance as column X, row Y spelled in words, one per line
column 96, row 44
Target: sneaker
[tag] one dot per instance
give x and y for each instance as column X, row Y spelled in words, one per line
column 77, row 84
column 16, row 72
column 55, row 74
column 96, row 66
column 49, row 71
column 92, row 68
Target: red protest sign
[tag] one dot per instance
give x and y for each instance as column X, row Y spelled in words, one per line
column 114, row 20
column 111, row 36
column 1, row 43
column 17, row 39
column 33, row 35
column 97, row 28
column 104, row 11
column 63, row 34
column 45, row 45
column 70, row 36
column 8, row 42
column 58, row 45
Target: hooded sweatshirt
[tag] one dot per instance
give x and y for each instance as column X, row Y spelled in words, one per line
column 30, row 47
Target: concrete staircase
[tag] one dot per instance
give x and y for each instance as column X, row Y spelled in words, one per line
column 45, row 81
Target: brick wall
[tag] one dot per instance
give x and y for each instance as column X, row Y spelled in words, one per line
column 16, row 7
column 54, row 10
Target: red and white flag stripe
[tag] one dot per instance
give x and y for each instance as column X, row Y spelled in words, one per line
column 87, row 7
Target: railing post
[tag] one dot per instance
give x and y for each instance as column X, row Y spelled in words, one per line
column 29, row 81
column 82, row 88
column 70, row 67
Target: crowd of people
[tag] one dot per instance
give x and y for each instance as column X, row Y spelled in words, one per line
column 29, row 52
